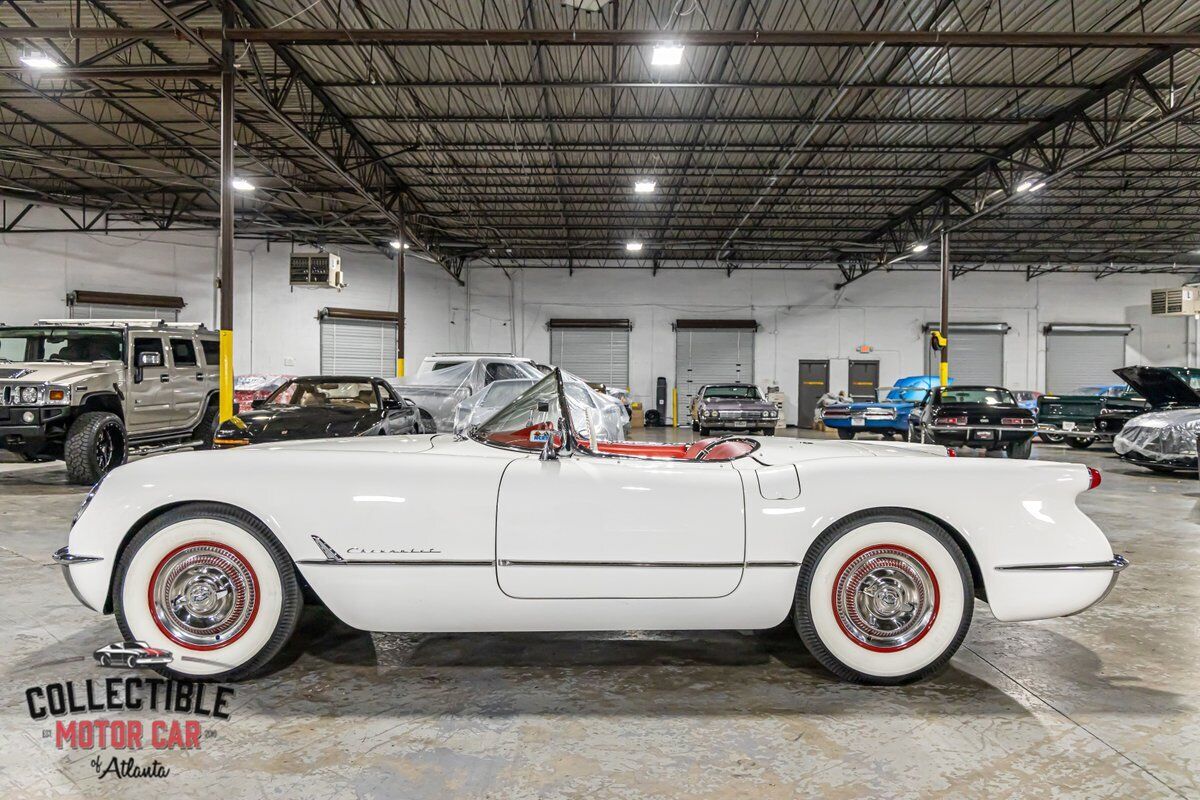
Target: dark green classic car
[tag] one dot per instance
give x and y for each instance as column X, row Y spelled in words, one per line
column 1071, row 417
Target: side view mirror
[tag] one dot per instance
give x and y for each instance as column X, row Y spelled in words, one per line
column 259, row 403
column 149, row 359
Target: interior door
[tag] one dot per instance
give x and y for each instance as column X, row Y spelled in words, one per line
column 598, row 527
column 152, row 404
column 864, row 379
column 814, row 382
column 187, row 380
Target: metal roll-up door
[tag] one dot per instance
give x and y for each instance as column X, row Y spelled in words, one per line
column 85, row 304
column 976, row 354
column 123, row 312
column 358, row 347
column 715, row 355
column 598, row 355
column 1083, row 356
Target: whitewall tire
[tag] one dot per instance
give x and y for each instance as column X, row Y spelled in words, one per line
column 213, row 586
column 884, row 597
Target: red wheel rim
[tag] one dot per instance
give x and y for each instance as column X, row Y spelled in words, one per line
column 885, row 598
column 203, row 581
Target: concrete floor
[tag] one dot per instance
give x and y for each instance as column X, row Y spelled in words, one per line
column 1100, row 705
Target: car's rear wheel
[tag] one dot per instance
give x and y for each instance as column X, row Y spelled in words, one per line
column 212, row 585
column 1079, row 443
column 1020, row 449
column 1052, row 438
column 884, row 597
column 845, row 433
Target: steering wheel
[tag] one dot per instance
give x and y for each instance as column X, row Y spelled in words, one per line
column 708, row 448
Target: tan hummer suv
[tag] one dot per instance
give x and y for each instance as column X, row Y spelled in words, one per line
column 90, row 392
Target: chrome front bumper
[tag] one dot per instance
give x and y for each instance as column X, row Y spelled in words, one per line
column 66, row 559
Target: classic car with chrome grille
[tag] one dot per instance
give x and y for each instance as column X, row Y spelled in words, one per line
column 733, row 407
column 873, row 552
column 1071, row 418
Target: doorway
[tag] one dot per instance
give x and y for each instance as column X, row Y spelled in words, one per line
column 814, row 382
column 864, row 379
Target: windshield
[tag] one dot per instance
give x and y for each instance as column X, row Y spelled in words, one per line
column 526, row 422
column 986, row 396
column 307, row 393
column 61, row 344
column 732, row 393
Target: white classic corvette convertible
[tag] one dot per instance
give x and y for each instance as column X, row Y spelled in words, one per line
column 874, row 552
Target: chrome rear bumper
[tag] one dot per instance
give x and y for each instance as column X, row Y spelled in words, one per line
column 1114, row 565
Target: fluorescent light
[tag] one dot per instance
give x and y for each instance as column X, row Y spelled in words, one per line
column 667, row 55
column 633, row 247
column 242, row 185
column 35, row 59
column 1036, row 187
column 395, row 243
column 920, row 247
column 644, row 187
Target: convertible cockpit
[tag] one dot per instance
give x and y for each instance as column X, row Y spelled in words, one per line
column 547, row 418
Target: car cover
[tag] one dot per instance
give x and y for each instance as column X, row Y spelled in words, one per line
column 1161, row 435
column 438, row 392
column 591, row 411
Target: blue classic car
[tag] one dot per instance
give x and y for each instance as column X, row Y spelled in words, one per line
column 887, row 416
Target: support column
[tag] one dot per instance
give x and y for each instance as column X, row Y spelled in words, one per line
column 400, row 297
column 944, row 322
column 226, row 235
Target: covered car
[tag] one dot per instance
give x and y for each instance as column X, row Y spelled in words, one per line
column 1164, row 389
column 438, row 391
column 887, row 416
column 733, row 406
column 321, row 407
column 1163, row 441
column 603, row 412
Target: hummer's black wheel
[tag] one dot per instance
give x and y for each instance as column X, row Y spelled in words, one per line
column 207, row 429
column 95, row 445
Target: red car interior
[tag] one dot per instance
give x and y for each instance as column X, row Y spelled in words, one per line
column 683, row 452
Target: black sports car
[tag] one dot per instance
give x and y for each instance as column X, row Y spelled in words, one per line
column 322, row 407
column 1165, row 389
column 986, row 417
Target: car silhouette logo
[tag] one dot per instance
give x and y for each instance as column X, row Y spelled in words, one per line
column 131, row 654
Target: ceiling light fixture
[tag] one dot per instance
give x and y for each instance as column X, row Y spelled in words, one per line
column 644, row 187
column 667, row 55
column 36, row 59
column 1037, row 187
column 395, row 243
column 920, row 247
column 633, row 247
column 242, row 185
column 1024, row 186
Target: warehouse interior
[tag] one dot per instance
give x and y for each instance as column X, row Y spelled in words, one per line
column 656, row 196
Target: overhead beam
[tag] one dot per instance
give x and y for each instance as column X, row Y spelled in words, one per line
column 438, row 37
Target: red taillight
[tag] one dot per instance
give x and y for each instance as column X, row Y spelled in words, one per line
column 951, row 452
column 1093, row 478
column 1016, row 421
column 950, row 421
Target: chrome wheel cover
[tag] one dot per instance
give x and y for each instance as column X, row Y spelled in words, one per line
column 203, row 595
column 885, row 598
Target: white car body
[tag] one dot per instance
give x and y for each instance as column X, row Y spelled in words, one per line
column 434, row 533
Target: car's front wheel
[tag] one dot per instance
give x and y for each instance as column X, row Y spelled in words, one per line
column 884, row 597
column 211, row 584
column 1079, row 443
column 1052, row 438
column 845, row 433
column 105, row 661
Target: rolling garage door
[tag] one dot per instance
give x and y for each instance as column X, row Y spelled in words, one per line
column 595, row 350
column 1083, row 355
column 711, row 351
column 976, row 353
column 83, row 304
column 357, row 345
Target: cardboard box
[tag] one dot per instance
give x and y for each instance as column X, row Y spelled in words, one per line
column 637, row 415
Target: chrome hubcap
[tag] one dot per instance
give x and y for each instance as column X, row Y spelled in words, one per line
column 204, row 595
column 885, row 598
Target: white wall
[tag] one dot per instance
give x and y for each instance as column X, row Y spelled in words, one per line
column 276, row 329
column 802, row 316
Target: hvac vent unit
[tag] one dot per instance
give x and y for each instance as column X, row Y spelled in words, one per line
column 316, row 270
column 1177, row 302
